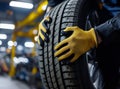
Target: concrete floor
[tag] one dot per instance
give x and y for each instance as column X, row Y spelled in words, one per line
column 8, row 83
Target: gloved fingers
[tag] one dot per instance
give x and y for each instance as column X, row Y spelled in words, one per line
column 60, row 51
column 64, row 56
column 41, row 35
column 67, row 34
column 43, row 28
column 41, row 41
column 71, row 28
column 48, row 19
column 74, row 58
column 46, row 38
column 44, row 24
column 61, row 44
column 38, row 40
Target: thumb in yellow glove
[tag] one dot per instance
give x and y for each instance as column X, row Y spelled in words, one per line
column 78, row 43
column 43, row 30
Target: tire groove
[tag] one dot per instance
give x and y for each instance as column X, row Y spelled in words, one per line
column 59, row 41
column 45, row 75
column 49, row 70
column 58, row 87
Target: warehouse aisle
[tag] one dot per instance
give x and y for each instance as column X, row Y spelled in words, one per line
column 8, row 83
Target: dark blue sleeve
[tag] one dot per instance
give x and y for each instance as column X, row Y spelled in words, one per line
column 105, row 29
column 53, row 3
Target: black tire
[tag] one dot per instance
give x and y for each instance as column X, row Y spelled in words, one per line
column 64, row 75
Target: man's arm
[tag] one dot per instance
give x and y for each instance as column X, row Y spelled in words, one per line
column 105, row 29
column 82, row 41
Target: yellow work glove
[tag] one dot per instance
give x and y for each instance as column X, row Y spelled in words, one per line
column 43, row 30
column 77, row 43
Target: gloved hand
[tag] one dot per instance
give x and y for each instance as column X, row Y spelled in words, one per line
column 43, row 30
column 78, row 43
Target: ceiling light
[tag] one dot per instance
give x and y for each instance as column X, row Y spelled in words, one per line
column 21, row 4
column 0, row 42
column 15, row 43
column 3, row 36
column 11, row 43
column 20, row 47
column 44, row 7
column 20, row 59
column 7, row 26
column 29, row 44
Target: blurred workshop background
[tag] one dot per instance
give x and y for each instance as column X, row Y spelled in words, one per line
column 19, row 21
